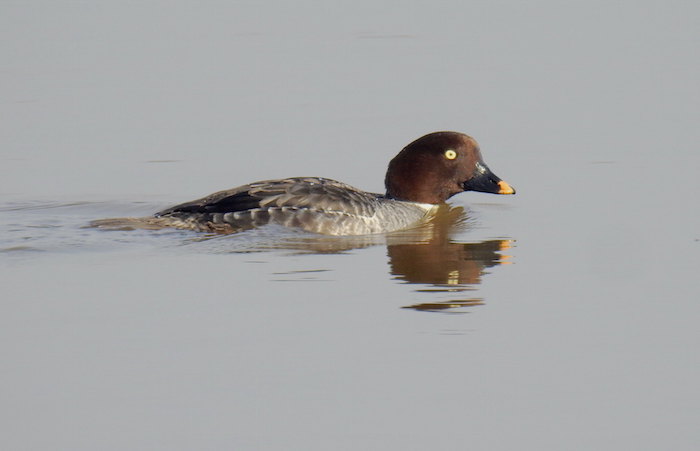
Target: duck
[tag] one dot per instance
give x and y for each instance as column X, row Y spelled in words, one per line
column 420, row 178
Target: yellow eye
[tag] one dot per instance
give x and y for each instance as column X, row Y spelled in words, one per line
column 450, row 154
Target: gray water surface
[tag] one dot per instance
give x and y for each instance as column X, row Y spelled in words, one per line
column 560, row 318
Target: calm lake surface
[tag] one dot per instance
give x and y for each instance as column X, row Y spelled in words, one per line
column 564, row 317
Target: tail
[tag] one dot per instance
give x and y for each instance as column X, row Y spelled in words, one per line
column 148, row 223
column 191, row 222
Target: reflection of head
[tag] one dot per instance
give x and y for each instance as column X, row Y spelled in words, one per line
column 444, row 262
column 446, row 267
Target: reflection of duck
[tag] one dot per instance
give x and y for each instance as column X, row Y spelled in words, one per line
column 448, row 267
column 423, row 175
column 445, row 265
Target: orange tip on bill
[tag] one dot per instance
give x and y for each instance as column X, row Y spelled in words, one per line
column 505, row 188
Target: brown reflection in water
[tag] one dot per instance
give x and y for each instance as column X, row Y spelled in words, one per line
column 446, row 265
column 446, row 305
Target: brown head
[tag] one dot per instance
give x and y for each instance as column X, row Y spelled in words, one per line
column 439, row 165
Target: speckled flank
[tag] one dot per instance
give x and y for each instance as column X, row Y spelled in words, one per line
column 382, row 216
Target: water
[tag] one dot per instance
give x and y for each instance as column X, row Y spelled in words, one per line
column 560, row 318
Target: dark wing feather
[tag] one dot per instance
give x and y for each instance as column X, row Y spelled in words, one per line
column 221, row 202
column 236, row 199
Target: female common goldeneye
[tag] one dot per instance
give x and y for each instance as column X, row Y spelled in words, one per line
column 424, row 174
